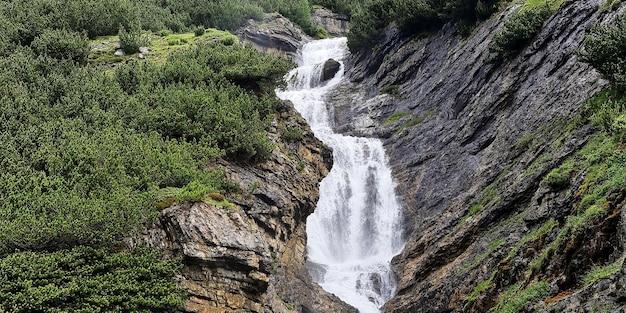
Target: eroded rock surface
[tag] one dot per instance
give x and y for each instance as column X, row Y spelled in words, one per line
column 275, row 34
column 336, row 25
column 470, row 140
column 250, row 257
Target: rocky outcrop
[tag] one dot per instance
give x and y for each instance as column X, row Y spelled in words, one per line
column 275, row 34
column 329, row 69
column 471, row 139
column 249, row 256
column 335, row 24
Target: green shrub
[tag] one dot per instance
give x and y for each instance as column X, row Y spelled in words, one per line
column 412, row 16
column 518, row 30
column 62, row 45
column 320, row 32
column 194, row 192
column 198, row 31
column 338, row 6
column 605, row 50
column 228, row 40
column 84, row 279
column 131, row 41
column 292, row 134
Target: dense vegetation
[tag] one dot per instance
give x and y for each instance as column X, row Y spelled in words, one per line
column 26, row 20
column 518, row 30
column 605, row 50
column 412, row 16
column 90, row 155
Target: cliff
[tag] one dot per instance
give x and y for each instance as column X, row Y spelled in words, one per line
column 474, row 143
column 249, row 256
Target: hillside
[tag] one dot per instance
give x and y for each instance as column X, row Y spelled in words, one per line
column 508, row 157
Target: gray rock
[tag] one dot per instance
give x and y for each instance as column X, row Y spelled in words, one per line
column 329, row 69
column 336, row 25
column 275, row 34
column 479, row 133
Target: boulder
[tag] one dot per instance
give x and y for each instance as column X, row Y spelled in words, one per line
column 329, row 69
column 275, row 34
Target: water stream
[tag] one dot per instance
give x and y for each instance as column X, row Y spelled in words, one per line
column 356, row 228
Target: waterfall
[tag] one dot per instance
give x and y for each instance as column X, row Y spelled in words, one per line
column 356, row 228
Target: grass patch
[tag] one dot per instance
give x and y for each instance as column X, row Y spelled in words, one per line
column 395, row 117
column 537, row 165
column 492, row 247
column 514, row 299
column 559, row 177
column 162, row 44
column 600, row 272
column 524, row 141
column 391, row 90
column 533, row 4
column 534, row 236
column 415, row 121
column 482, row 286
column 610, row 5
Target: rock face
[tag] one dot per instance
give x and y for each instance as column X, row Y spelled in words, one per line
column 250, row 256
column 336, row 25
column 275, row 34
column 470, row 140
column 330, row 68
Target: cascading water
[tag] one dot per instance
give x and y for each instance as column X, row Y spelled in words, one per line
column 356, row 228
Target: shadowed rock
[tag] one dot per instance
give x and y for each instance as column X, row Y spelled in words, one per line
column 330, row 68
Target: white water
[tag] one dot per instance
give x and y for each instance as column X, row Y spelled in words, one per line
column 356, row 228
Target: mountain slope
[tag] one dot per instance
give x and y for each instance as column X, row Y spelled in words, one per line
column 509, row 191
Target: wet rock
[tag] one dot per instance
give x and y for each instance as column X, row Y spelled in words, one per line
column 329, row 69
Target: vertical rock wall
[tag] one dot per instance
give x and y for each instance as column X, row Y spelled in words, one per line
column 470, row 140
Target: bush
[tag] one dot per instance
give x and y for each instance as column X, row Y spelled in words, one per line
column 194, row 192
column 198, row 31
column 131, row 41
column 518, row 30
column 84, row 279
column 62, row 45
column 412, row 16
column 605, row 50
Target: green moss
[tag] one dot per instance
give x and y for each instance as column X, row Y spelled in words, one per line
column 415, row 121
column 539, row 233
column 391, row 90
column 395, row 117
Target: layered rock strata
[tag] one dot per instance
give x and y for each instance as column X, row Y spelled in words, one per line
column 250, row 256
column 471, row 139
